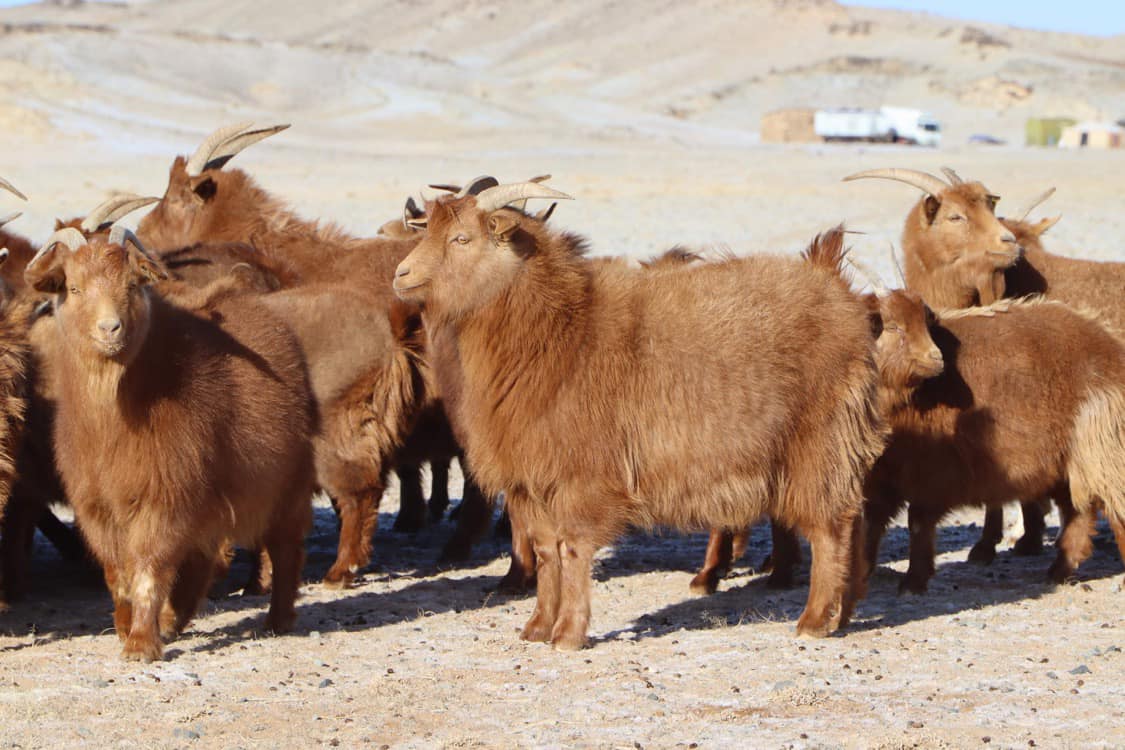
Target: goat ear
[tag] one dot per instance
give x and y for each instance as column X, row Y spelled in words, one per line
column 149, row 269
column 930, row 206
column 204, row 188
column 45, row 272
column 874, row 314
column 1040, row 227
column 502, row 225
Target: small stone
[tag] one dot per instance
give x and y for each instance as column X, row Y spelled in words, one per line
column 314, row 634
column 325, row 683
column 783, row 685
column 186, row 734
column 1052, row 675
column 1080, row 669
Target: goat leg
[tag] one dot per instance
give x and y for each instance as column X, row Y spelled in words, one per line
column 1034, row 525
column 412, row 503
column 716, row 563
column 984, row 551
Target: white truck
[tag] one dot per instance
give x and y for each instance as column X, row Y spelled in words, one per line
column 885, row 125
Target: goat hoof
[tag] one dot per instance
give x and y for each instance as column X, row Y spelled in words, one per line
column 982, row 553
column 705, row 583
column 808, row 627
column 279, row 624
column 515, row 585
column 337, row 578
column 1028, row 546
column 913, row 585
column 142, row 650
column 536, row 631
column 1060, row 572
column 569, row 644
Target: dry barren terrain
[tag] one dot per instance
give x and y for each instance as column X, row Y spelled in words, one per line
column 647, row 113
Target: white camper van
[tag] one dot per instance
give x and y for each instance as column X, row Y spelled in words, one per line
column 886, row 124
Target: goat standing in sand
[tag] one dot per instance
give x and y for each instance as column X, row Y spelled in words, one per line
column 554, row 348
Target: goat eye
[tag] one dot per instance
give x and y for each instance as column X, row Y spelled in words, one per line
column 956, row 217
column 462, row 239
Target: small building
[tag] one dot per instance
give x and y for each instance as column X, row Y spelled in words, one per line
column 1046, row 131
column 1093, row 135
column 789, row 126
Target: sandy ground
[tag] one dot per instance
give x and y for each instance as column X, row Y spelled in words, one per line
column 384, row 100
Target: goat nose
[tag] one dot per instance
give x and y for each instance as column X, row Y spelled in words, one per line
column 1007, row 237
column 109, row 326
column 402, row 271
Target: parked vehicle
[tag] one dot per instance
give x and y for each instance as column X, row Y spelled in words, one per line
column 883, row 125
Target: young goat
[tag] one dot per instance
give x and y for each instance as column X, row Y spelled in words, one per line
column 972, row 428
column 176, row 431
column 554, row 348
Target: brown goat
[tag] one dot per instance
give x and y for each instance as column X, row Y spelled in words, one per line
column 1098, row 286
column 971, row 428
column 954, row 252
column 554, row 348
column 175, row 432
column 205, row 204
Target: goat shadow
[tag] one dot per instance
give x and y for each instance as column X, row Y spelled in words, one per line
column 957, row 586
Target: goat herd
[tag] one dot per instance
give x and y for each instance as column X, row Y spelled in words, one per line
column 187, row 389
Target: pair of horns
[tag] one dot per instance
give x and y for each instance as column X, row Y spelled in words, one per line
column 11, row 189
column 113, row 208
column 490, row 195
column 226, row 143
column 924, row 181
column 73, row 239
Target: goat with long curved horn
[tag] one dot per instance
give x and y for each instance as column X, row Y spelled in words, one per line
column 498, row 197
column 925, row 182
column 113, row 208
column 226, row 143
column 11, row 189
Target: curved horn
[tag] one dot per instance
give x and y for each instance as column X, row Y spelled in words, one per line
column 446, row 188
column 413, row 217
column 69, row 236
column 477, row 185
column 1035, row 203
column 873, row 278
column 953, row 177
column 226, row 143
column 898, row 266
column 498, row 197
column 927, row 183
column 119, row 235
column 113, row 208
column 11, row 188
column 10, row 217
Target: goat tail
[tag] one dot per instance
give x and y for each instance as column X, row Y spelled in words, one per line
column 1097, row 452
column 827, row 250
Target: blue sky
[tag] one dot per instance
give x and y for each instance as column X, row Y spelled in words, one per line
column 1102, row 17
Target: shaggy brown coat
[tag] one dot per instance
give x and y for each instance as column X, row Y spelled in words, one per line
column 227, row 206
column 15, row 356
column 554, row 348
column 175, row 432
column 1089, row 284
column 968, row 428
